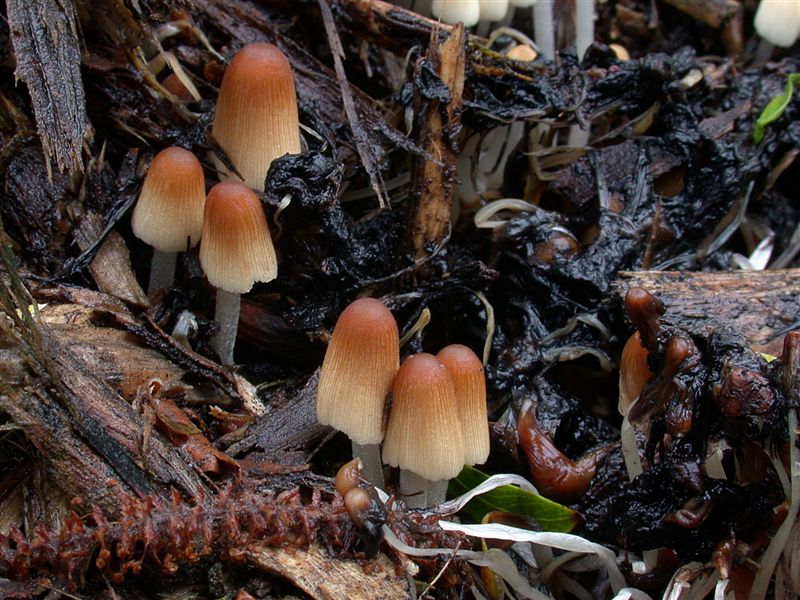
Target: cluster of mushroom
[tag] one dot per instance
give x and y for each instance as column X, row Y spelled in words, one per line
column 256, row 121
column 437, row 422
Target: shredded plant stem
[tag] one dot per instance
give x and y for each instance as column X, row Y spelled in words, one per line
column 770, row 558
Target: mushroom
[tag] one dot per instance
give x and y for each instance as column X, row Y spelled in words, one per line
column 256, row 118
column 169, row 212
column 466, row 371
column 236, row 252
column 584, row 26
column 544, row 28
column 493, row 10
column 634, row 373
column 778, row 24
column 451, row 12
column 420, row 437
column 357, row 372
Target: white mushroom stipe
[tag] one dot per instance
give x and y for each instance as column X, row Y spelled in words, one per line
column 226, row 313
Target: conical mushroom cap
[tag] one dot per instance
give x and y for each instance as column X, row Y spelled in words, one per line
column 169, row 212
column 778, row 21
column 237, row 249
column 357, row 373
column 457, row 11
column 423, row 434
column 466, row 371
column 256, row 118
column 634, row 373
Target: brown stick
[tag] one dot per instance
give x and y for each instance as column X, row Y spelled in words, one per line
column 434, row 180
column 762, row 305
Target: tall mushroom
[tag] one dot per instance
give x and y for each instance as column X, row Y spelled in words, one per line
column 469, row 381
column 256, row 118
column 169, row 212
column 236, row 252
column 357, row 372
column 420, row 437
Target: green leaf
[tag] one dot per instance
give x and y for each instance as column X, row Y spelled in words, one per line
column 550, row 515
column 775, row 107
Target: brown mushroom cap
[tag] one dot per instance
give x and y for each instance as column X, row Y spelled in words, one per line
column 169, row 213
column 634, row 373
column 237, row 249
column 256, row 118
column 360, row 364
column 466, row 371
column 423, row 434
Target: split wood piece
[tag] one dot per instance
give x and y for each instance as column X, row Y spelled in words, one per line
column 711, row 12
column 114, row 355
column 48, row 56
column 433, row 181
column 761, row 305
column 322, row 577
column 290, row 423
column 236, row 387
column 388, row 24
column 93, row 412
column 67, row 458
column 111, row 266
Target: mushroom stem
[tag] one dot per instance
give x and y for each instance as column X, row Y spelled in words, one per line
column 584, row 26
column 437, row 492
column 763, row 52
column 418, row 492
column 226, row 313
column 162, row 270
column 370, row 455
column 544, row 28
column 414, row 489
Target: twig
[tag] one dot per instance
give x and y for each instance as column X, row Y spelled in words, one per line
column 359, row 135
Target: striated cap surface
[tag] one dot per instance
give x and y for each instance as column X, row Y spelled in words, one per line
column 360, row 364
column 256, row 117
column 469, row 381
column 237, row 249
column 424, row 434
column 169, row 212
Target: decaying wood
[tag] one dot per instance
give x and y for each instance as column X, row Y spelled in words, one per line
column 111, row 267
column 45, row 38
column 389, row 24
column 761, row 305
column 365, row 150
column 323, row 578
column 240, row 391
column 291, row 422
column 434, row 180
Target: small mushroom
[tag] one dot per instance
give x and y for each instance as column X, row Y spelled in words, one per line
column 451, row 12
column 466, row 371
column 357, row 372
column 420, row 437
column 236, row 252
column 169, row 212
column 256, row 119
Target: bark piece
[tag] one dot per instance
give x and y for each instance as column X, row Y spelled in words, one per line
column 326, row 578
column 434, row 179
column 365, row 150
column 111, row 266
column 290, row 423
column 762, row 305
column 45, row 38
